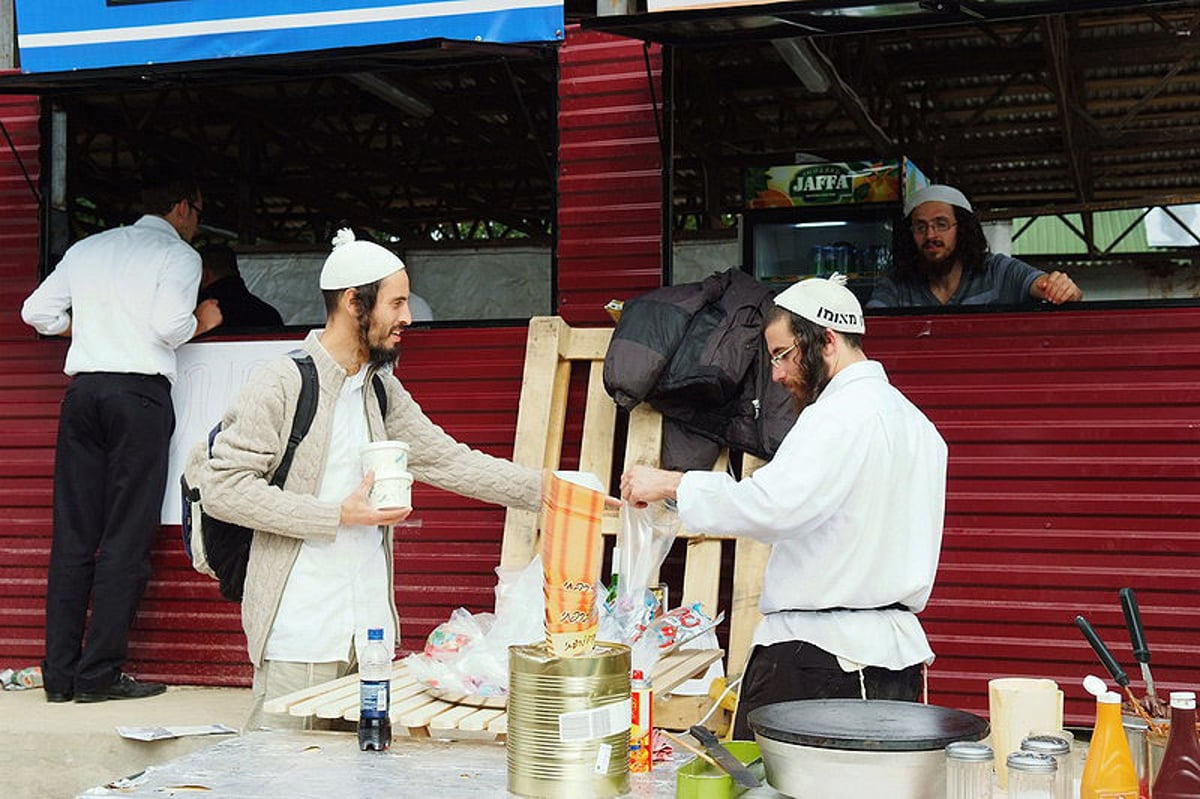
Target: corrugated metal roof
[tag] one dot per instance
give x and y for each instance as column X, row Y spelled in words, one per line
column 1050, row 235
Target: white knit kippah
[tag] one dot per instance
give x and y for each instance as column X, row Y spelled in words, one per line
column 937, row 193
column 827, row 303
column 356, row 263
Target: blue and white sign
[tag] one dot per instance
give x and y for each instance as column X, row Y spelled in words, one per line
column 67, row 35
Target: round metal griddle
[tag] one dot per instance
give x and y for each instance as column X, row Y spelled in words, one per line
column 866, row 725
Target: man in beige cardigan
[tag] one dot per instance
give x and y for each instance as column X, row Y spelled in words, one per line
column 321, row 567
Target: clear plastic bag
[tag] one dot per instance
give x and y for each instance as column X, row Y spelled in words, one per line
column 468, row 653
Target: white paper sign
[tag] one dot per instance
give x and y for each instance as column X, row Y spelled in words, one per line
column 209, row 376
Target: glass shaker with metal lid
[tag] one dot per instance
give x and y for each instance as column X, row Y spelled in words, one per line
column 1060, row 750
column 969, row 770
column 1031, row 775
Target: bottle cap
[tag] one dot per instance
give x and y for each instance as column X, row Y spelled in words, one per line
column 1184, row 700
column 1109, row 698
column 375, row 634
column 969, row 750
column 1046, row 744
column 1032, row 763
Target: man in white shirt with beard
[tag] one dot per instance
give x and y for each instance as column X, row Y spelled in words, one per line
column 852, row 504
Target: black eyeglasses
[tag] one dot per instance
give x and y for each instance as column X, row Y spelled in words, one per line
column 199, row 211
column 938, row 225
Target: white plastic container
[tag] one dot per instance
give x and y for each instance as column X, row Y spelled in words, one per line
column 392, row 492
column 385, row 458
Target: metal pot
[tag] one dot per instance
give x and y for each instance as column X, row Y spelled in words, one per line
column 853, row 748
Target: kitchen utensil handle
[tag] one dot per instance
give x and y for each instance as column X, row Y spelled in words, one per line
column 1133, row 620
column 705, row 736
column 1106, row 657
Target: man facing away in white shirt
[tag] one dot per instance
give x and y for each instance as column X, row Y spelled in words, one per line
column 127, row 299
column 852, row 504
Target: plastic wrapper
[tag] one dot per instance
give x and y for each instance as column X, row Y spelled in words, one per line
column 468, row 653
column 572, row 551
column 669, row 632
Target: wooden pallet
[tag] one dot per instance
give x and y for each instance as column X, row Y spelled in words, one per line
column 551, row 350
column 418, row 713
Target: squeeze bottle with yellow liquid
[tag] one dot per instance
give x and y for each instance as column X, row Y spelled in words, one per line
column 1109, row 773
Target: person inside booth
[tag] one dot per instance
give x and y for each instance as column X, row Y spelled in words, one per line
column 942, row 258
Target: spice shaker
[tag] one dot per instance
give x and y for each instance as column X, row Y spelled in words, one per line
column 1031, row 775
column 1060, row 750
column 969, row 772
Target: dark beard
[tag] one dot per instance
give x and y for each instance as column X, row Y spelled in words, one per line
column 815, row 381
column 377, row 356
column 938, row 269
column 381, row 357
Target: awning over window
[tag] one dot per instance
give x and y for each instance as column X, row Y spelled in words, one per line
column 70, row 36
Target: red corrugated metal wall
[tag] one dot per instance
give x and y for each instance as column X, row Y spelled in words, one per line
column 610, row 180
column 31, row 383
column 1074, row 471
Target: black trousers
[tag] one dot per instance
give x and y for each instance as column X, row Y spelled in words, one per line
column 792, row 670
column 110, row 471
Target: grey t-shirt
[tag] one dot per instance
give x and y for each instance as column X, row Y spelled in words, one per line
column 1004, row 281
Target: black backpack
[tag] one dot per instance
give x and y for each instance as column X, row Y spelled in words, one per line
column 221, row 549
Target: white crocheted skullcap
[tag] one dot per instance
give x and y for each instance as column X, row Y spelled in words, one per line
column 356, row 263
column 825, row 302
column 937, row 193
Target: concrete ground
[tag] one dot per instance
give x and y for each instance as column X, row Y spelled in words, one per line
column 50, row 751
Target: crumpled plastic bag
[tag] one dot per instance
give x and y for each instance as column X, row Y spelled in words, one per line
column 468, row 653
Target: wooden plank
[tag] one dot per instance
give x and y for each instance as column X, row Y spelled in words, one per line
column 284, row 704
column 533, row 431
column 644, row 441
column 678, row 667
column 599, row 426
column 702, row 573
column 585, row 344
column 480, row 719
column 424, row 715
column 749, row 565
column 448, row 721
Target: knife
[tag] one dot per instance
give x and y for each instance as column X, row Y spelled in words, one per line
column 725, row 759
column 1137, row 637
column 1106, row 657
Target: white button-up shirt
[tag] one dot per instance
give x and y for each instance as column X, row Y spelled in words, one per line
column 132, row 296
column 339, row 588
column 853, row 504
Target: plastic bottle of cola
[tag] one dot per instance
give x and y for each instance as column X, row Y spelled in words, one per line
column 374, row 692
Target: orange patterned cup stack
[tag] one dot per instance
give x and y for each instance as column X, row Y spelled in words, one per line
column 572, row 551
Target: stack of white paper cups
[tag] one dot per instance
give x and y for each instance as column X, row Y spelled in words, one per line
column 393, row 483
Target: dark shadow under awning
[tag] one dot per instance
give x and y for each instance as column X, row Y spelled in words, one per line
column 724, row 24
column 268, row 68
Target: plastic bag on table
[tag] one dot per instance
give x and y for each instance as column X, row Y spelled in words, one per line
column 468, row 653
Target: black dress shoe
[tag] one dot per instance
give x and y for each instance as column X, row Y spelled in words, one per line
column 59, row 696
column 125, row 687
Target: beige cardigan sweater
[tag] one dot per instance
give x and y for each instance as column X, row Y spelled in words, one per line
column 235, row 487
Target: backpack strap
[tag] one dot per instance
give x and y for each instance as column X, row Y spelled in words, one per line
column 306, row 409
column 380, row 394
